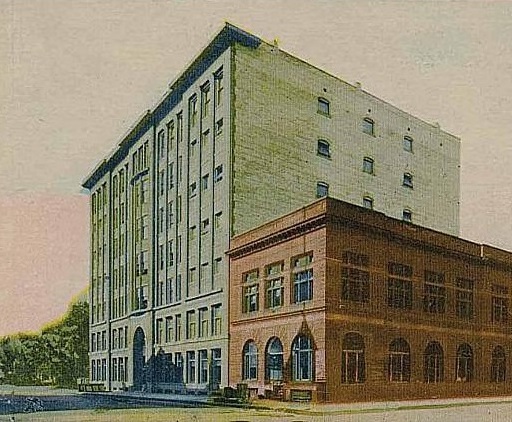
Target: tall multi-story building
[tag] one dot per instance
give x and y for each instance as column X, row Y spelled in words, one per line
column 246, row 133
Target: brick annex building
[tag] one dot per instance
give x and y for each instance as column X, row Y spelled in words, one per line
column 338, row 303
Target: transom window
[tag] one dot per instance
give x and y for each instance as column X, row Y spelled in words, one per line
column 399, row 286
column 433, row 363
column 323, row 148
column 302, row 359
column 274, row 285
column 250, row 359
column 274, row 360
column 434, row 293
column 399, row 369
column 353, row 367
column 302, row 279
column 368, row 126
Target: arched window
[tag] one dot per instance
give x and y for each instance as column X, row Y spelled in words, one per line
column 302, row 359
column 368, row 202
column 464, row 363
column 368, row 126
column 322, row 189
column 323, row 148
column 274, row 360
column 353, row 366
column 433, row 364
column 498, row 365
column 250, row 361
column 399, row 369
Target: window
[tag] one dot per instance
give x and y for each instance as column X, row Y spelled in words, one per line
column 219, row 125
column 368, row 126
column 203, row 366
column 191, row 367
column 368, row 202
column 407, row 215
column 274, row 360
column 178, row 362
column 205, row 99
column 191, row 324
column 498, row 365
column 302, row 359
column 203, row 322
column 217, row 174
column 355, row 282
column 216, row 368
column 170, row 175
column 193, row 189
column 204, row 141
column 170, row 254
column 302, row 279
column 216, row 320
column 170, row 135
column 218, row 219
column 322, row 189
column 407, row 181
column 407, row 143
column 353, row 367
column 219, row 86
column 464, row 298
column 205, row 226
column 499, row 303
column 274, row 285
column 204, row 182
column 433, row 363
column 192, row 111
column 193, row 148
column 161, row 144
column 169, row 329
column 250, row 361
column 322, row 148
column 251, row 298
column 192, row 282
column 159, row 330
column 464, row 363
column 434, row 293
column 177, row 330
column 399, row 286
column 368, row 165
column 323, row 106
column 399, row 368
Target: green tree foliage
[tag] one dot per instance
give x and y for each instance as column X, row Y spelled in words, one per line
column 56, row 356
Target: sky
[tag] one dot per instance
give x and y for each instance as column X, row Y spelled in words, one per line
column 74, row 75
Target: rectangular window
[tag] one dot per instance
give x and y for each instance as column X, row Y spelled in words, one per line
column 217, row 320
column 177, row 326
column 217, row 174
column 251, row 298
column 178, row 288
column 170, row 175
column 205, row 141
column 191, row 367
column 399, row 286
column 322, row 189
column 407, row 144
column 159, row 330
column 407, row 181
column 302, row 277
column 274, row 285
column 355, row 277
column 170, row 135
column 434, row 293
column 219, row 126
column 368, row 165
column 219, row 86
column 464, row 298
column 203, row 366
column 193, row 189
column 192, row 111
column 161, row 144
column 191, row 324
column 169, row 329
column 204, row 182
column 192, row 282
column 368, row 202
column 499, row 303
column 205, row 99
column 203, row 322
column 368, row 126
column 323, row 106
column 205, row 226
column 218, row 219
column 179, row 129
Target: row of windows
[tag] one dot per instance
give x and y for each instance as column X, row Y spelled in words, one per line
column 353, row 361
column 98, row 341
column 356, row 284
column 204, row 323
column 119, row 338
column 301, row 286
column 367, row 124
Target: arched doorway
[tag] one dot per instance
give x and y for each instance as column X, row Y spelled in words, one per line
column 139, row 358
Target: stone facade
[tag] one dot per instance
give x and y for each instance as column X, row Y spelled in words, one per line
column 397, row 311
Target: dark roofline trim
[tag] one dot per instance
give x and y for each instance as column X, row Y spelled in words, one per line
column 223, row 40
